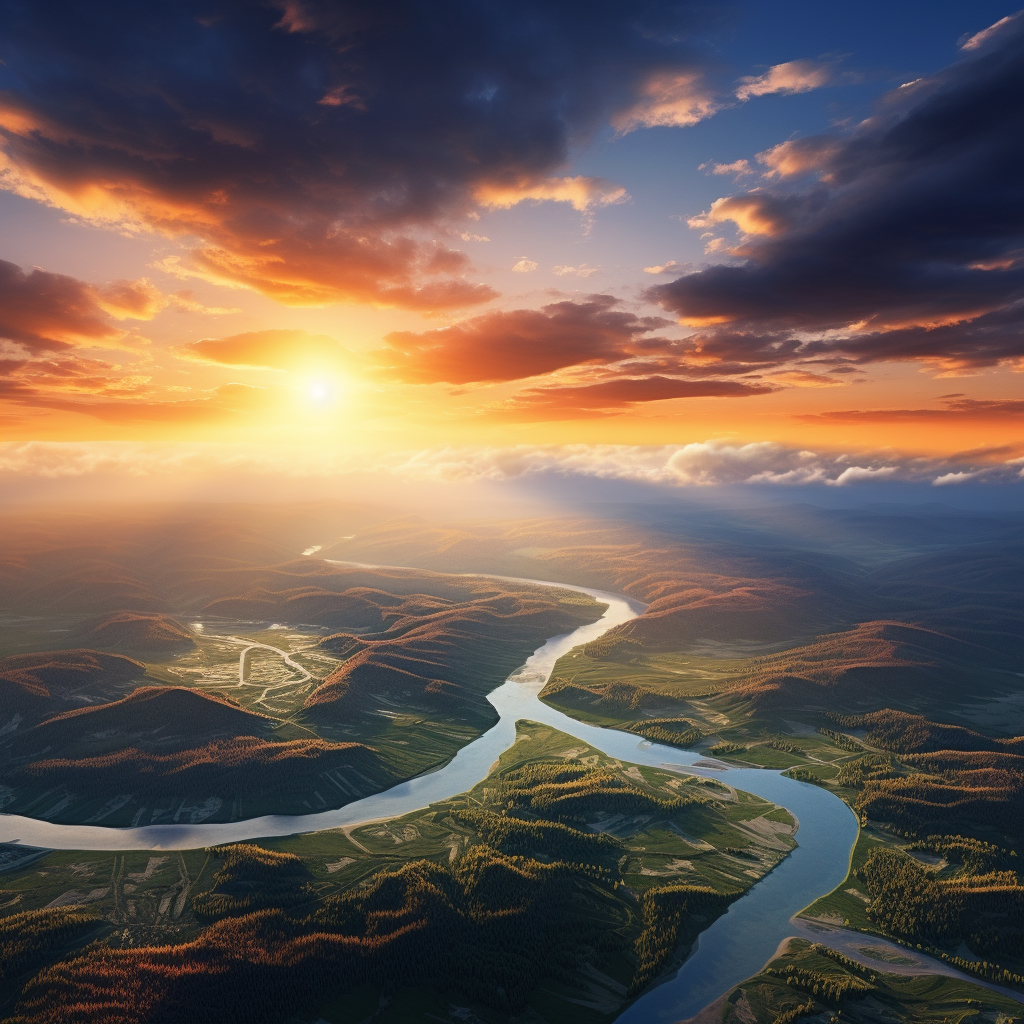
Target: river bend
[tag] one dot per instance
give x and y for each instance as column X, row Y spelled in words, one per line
column 733, row 948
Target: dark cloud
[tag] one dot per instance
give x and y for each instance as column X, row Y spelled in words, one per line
column 905, row 238
column 44, row 312
column 609, row 396
column 988, row 340
column 503, row 346
column 316, row 148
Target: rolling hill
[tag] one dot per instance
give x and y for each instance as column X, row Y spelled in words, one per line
column 138, row 632
column 34, row 686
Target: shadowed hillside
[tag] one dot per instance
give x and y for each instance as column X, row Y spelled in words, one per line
column 450, row 657
column 37, row 685
column 914, row 734
column 876, row 661
column 232, row 778
column 172, row 751
column 139, row 632
column 160, row 716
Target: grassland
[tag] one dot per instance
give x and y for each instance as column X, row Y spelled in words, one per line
column 617, row 682
column 809, row 981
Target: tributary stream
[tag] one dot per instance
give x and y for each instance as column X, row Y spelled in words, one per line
column 736, row 946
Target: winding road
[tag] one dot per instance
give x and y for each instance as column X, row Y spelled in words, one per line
column 263, row 647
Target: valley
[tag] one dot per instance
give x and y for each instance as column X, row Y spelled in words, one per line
column 306, row 687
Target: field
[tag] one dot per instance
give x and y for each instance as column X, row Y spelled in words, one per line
column 814, row 983
column 622, row 841
column 876, row 655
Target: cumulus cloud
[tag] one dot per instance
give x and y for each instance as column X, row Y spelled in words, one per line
column 739, row 168
column 699, row 465
column 45, row 312
column 670, row 99
column 792, row 77
column 314, row 151
column 513, row 344
column 903, row 239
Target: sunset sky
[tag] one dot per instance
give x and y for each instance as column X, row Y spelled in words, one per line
column 707, row 242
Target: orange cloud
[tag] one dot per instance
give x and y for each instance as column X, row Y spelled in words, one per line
column 669, row 98
column 966, row 409
column 581, row 193
column 792, row 77
column 612, row 396
column 274, row 349
column 46, row 312
column 129, row 401
column 510, row 345
column 754, row 214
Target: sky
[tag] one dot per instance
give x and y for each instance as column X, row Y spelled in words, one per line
column 678, row 244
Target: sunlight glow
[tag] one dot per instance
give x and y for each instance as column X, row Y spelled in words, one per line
column 320, row 391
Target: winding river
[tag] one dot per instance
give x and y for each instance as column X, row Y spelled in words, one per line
column 736, row 946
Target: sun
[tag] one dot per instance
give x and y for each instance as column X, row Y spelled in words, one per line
column 320, row 391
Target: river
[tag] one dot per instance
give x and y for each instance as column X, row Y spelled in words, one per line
column 734, row 947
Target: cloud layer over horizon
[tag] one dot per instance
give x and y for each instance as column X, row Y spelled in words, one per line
column 703, row 464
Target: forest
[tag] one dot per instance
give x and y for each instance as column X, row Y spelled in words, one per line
column 543, row 889
column 810, row 980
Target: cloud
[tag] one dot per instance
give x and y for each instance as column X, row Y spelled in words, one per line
column 314, row 152
column 45, row 312
column 902, row 239
column 702, row 464
column 274, row 349
column 667, row 268
column 954, row 410
column 184, row 301
column 737, row 167
column 26, row 380
column 670, row 99
column 113, row 394
column 616, row 394
column 524, row 265
column 582, row 193
column 117, row 393
column 583, row 270
column 981, row 39
column 617, row 347
column 807, row 379
column 792, row 77
column 513, row 344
